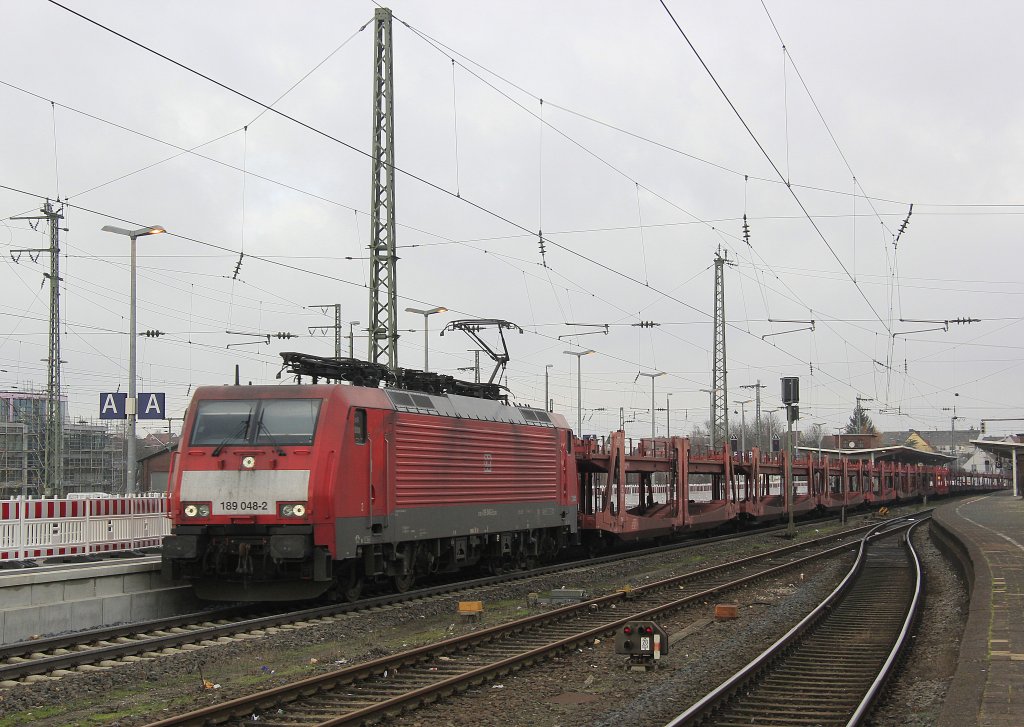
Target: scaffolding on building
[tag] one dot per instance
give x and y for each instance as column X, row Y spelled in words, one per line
column 93, row 452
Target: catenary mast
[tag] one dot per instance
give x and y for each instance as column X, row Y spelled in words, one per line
column 383, row 322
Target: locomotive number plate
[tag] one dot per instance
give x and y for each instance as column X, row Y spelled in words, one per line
column 244, row 506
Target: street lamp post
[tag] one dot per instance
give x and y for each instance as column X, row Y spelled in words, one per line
column 952, row 433
column 652, row 378
column 821, row 434
column 668, row 414
column 351, row 339
column 579, row 388
column 426, row 333
column 711, row 430
column 131, row 403
column 547, row 401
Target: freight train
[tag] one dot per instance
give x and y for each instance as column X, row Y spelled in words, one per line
column 296, row 491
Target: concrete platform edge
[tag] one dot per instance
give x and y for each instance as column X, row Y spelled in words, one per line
column 963, row 700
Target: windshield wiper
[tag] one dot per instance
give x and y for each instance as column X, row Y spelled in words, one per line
column 240, row 432
column 260, row 426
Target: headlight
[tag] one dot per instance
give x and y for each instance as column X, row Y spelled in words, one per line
column 197, row 509
column 292, row 509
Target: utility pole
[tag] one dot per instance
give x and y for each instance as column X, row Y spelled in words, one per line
column 743, row 425
column 757, row 409
column 351, row 339
column 652, row 377
column 547, row 401
column 952, row 432
column 476, row 368
column 719, row 383
column 53, row 447
column 336, row 327
column 383, row 322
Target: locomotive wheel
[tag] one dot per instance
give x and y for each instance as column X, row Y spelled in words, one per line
column 353, row 589
column 348, row 584
column 403, row 582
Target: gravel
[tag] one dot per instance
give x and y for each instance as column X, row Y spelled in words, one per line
column 588, row 687
column 915, row 698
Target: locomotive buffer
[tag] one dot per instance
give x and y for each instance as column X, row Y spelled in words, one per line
column 645, row 642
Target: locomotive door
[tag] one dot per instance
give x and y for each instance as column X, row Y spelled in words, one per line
column 379, row 435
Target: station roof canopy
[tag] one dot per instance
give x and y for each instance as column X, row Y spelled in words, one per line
column 898, row 453
column 999, row 449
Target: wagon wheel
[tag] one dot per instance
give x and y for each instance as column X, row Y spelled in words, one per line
column 548, row 549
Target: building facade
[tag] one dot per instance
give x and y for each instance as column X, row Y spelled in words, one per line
column 93, row 453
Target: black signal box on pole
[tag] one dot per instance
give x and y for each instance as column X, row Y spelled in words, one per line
column 790, row 390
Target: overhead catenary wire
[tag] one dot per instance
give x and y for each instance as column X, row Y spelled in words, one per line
column 316, row 273
column 768, row 157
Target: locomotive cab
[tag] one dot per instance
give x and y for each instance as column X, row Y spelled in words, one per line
column 241, row 504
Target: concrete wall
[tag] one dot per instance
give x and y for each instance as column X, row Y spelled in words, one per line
column 85, row 596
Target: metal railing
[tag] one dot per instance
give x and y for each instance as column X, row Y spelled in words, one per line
column 47, row 528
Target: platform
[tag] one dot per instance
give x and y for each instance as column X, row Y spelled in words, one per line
column 54, row 599
column 988, row 688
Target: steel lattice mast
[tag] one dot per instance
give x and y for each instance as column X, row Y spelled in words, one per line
column 53, row 460
column 383, row 322
column 719, row 389
column 53, row 441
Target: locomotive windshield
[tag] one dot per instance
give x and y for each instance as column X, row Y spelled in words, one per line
column 274, row 422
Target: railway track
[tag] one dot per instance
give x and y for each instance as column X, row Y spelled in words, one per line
column 105, row 648
column 372, row 691
column 831, row 667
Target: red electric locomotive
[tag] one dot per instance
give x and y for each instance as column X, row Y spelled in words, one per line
column 291, row 492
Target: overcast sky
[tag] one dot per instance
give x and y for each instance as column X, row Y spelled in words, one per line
column 635, row 167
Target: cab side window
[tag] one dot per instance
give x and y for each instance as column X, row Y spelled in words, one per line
column 359, row 426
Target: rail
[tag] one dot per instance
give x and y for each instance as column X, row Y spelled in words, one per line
column 701, row 712
column 48, row 528
column 874, row 692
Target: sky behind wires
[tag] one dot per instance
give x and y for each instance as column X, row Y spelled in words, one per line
column 635, row 168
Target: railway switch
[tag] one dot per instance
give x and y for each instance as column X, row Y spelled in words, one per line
column 644, row 642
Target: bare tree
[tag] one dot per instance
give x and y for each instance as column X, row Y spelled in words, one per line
column 812, row 436
column 699, row 436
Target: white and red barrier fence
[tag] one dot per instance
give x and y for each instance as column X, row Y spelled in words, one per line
column 81, row 526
